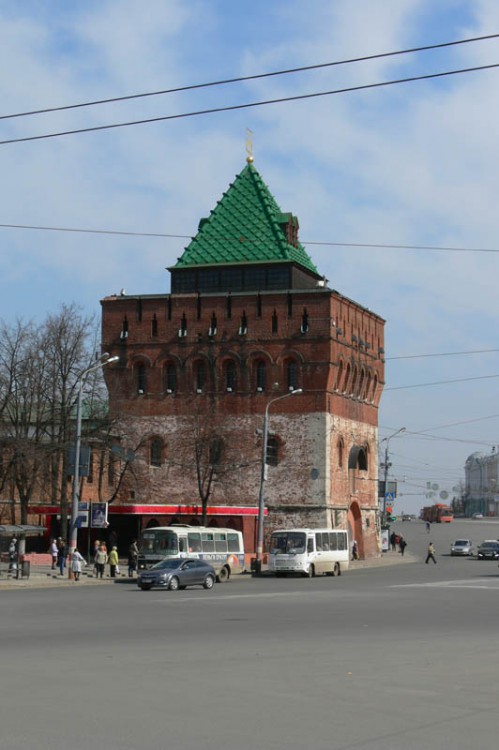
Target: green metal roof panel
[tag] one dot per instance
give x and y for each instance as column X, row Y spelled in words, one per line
column 244, row 227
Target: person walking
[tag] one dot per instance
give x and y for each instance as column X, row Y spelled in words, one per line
column 62, row 553
column 113, row 562
column 53, row 553
column 402, row 545
column 393, row 541
column 431, row 554
column 133, row 558
column 427, row 527
column 100, row 561
column 355, row 550
column 77, row 560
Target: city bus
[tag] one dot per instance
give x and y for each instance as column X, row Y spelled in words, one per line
column 309, row 552
column 222, row 548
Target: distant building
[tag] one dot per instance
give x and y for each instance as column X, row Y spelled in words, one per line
column 249, row 319
column 481, row 490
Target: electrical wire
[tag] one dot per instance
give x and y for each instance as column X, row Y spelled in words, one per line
column 438, row 382
column 248, row 105
column 123, row 233
column 257, row 76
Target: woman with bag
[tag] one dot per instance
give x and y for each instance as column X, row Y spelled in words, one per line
column 76, row 562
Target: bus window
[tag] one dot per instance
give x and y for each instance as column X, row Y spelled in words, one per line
column 232, row 542
column 325, row 542
column 208, row 542
column 194, row 542
column 181, row 544
column 333, row 541
column 342, row 540
column 318, row 542
column 220, row 543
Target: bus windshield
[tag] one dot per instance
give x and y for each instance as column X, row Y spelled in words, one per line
column 287, row 543
column 163, row 542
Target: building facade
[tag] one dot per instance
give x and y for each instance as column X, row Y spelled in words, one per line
column 481, row 484
column 249, row 320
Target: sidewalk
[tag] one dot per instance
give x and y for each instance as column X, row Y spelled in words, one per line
column 42, row 576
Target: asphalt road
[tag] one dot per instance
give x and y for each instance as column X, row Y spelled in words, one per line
column 401, row 657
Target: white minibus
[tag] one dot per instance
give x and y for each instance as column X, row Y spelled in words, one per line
column 309, row 551
column 222, row 548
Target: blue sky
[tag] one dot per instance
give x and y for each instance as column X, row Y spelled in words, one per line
column 413, row 164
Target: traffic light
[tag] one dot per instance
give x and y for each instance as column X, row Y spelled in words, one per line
column 389, row 514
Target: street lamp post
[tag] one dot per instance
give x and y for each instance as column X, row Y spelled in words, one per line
column 73, row 537
column 386, row 467
column 263, row 477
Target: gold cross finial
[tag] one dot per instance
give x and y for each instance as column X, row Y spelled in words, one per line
column 249, row 146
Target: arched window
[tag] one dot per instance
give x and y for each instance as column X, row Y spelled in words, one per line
column 170, row 378
column 367, row 393
column 260, row 375
column 200, row 376
column 347, row 378
column 217, row 447
column 340, row 453
column 339, row 375
column 292, row 375
column 156, row 452
column 272, row 457
column 230, row 376
column 374, row 388
column 353, row 385
column 141, row 378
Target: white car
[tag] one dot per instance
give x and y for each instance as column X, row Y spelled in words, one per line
column 477, row 515
column 461, row 547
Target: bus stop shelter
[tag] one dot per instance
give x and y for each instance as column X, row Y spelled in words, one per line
column 20, row 532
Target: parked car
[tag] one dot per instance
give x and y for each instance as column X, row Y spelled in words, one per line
column 461, row 547
column 177, row 573
column 488, row 550
column 477, row 516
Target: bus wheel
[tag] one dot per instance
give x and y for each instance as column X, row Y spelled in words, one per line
column 310, row 572
column 336, row 569
column 223, row 575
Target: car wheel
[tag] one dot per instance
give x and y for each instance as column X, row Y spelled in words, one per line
column 209, row 582
column 174, row 584
column 223, row 575
column 145, row 586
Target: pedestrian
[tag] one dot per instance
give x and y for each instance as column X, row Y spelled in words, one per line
column 94, row 552
column 62, row 553
column 113, row 562
column 402, row 545
column 133, row 558
column 77, row 560
column 355, row 550
column 100, row 561
column 431, row 554
column 13, row 554
column 53, row 553
column 393, row 541
column 427, row 527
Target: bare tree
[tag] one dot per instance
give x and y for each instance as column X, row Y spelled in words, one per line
column 40, row 368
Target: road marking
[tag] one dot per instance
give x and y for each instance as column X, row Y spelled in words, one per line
column 459, row 584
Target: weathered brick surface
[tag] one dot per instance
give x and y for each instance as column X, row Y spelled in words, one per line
column 316, row 430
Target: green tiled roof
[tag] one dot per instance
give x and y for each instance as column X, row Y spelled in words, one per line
column 245, row 227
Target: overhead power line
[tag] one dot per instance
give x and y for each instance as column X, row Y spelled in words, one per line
column 249, row 105
column 256, row 76
column 123, row 233
column 438, row 382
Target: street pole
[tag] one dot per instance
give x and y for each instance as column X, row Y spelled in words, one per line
column 73, row 536
column 386, row 467
column 263, row 477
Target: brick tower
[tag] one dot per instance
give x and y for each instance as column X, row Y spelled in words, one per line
column 248, row 320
